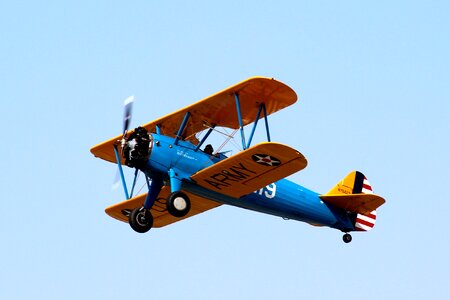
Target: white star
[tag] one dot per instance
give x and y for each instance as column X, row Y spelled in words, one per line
column 266, row 160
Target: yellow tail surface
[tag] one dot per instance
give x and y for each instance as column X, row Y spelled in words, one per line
column 354, row 193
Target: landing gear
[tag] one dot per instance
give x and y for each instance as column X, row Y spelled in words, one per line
column 178, row 204
column 347, row 238
column 141, row 220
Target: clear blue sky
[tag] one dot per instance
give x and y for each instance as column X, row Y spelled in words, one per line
column 373, row 79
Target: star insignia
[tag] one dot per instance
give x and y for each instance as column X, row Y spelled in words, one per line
column 264, row 159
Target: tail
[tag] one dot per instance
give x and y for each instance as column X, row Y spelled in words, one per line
column 354, row 193
column 353, row 183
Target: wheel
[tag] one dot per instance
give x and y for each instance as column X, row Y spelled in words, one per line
column 178, row 204
column 347, row 238
column 140, row 219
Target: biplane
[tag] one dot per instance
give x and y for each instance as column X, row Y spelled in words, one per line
column 184, row 177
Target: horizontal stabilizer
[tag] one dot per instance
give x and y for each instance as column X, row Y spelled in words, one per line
column 358, row 203
column 161, row 217
column 251, row 169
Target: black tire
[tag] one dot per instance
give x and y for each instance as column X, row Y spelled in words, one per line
column 140, row 219
column 178, row 204
column 347, row 238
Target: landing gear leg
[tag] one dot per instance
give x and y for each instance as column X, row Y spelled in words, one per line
column 153, row 190
column 178, row 203
column 141, row 219
column 347, row 238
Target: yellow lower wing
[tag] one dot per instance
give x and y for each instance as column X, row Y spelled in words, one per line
column 251, row 169
column 161, row 217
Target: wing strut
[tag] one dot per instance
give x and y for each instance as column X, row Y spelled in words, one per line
column 134, row 182
column 182, row 127
column 254, row 125
column 241, row 125
column 267, row 123
column 122, row 177
column 205, row 137
column 262, row 107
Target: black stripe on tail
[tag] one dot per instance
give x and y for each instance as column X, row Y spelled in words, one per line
column 359, row 180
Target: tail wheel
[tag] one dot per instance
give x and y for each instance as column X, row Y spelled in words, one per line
column 178, row 204
column 140, row 219
column 347, row 238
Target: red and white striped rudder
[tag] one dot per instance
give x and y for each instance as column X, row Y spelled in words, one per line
column 366, row 222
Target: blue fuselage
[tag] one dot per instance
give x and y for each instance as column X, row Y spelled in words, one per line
column 283, row 198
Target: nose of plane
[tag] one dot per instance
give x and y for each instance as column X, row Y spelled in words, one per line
column 137, row 147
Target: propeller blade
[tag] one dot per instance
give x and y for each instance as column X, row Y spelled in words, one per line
column 127, row 109
column 128, row 105
column 116, row 182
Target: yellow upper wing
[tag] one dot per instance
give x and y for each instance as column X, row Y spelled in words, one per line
column 251, row 169
column 161, row 217
column 218, row 109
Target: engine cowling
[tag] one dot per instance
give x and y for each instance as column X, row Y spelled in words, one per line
column 136, row 148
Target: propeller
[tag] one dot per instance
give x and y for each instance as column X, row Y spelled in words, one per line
column 127, row 109
column 116, row 182
column 128, row 106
